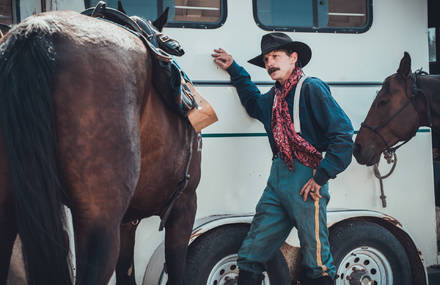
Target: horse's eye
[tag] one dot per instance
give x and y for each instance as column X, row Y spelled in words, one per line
column 382, row 102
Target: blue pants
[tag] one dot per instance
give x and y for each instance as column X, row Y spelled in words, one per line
column 280, row 208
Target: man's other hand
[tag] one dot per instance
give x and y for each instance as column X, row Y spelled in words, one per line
column 222, row 58
column 311, row 188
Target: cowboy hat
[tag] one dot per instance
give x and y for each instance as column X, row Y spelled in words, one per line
column 277, row 41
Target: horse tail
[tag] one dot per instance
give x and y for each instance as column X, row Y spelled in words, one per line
column 27, row 65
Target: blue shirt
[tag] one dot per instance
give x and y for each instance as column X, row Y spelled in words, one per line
column 323, row 122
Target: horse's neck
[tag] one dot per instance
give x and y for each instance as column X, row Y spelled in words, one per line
column 429, row 102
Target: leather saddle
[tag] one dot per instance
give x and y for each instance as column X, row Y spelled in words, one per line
column 188, row 101
column 161, row 45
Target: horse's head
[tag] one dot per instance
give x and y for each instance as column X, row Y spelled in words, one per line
column 391, row 118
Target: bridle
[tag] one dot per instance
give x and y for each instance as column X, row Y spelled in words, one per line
column 415, row 91
column 390, row 151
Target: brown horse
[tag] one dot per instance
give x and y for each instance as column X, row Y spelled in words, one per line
column 405, row 102
column 81, row 124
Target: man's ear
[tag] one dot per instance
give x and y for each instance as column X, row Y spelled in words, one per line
column 294, row 57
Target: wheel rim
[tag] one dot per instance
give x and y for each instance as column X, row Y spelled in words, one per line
column 364, row 265
column 225, row 272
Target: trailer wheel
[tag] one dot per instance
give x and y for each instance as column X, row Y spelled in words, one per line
column 366, row 253
column 212, row 259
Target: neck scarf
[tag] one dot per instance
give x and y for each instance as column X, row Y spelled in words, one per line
column 288, row 142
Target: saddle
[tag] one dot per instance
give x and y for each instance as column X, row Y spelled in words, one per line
column 188, row 101
column 146, row 33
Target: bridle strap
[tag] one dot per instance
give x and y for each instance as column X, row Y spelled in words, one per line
column 181, row 185
column 390, row 152
column 374, row 130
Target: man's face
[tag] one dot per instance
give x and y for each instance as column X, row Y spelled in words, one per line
column 279, row 65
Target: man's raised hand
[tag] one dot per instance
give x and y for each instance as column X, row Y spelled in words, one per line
column 222, row 58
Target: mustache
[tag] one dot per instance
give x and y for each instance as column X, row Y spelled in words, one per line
column 272, row 70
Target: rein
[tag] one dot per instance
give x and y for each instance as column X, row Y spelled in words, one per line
column 390, row 151
column 391, row 158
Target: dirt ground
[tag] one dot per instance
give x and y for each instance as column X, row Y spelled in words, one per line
column 17, row 275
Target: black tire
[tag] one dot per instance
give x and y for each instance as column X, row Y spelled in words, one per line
column 206, row 252
column 362, row 245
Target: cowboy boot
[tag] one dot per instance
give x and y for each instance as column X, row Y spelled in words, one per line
column 249, row 278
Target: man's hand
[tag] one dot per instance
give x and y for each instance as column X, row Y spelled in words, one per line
column 222, row 58
column 311, row 188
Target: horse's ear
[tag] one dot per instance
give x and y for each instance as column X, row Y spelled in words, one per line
column 160, row 22
column 405, row 65
column 120, row 8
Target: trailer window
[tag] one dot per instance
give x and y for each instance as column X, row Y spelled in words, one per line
column 183, row 13
column 349, row 16
column 6, row 12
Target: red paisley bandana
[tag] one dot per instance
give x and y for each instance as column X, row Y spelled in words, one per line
column 288, row 142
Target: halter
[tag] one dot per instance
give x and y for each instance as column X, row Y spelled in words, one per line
column 415, row 90
column 390, row 151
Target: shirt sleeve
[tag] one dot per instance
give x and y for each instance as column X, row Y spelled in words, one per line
column 337, row 127
column 250, row 95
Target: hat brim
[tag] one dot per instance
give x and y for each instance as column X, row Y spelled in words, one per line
column 303, row 50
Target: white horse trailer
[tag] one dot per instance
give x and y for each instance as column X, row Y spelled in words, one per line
column 356, row 44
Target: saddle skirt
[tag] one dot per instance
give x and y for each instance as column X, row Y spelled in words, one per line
column 202, row 115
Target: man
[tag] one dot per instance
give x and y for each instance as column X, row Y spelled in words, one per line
column 297, row 191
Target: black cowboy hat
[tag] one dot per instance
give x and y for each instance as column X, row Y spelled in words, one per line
column 277, row 41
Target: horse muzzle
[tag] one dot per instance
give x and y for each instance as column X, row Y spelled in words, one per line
column 366, row 155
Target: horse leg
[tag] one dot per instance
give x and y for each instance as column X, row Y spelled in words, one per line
column 125, row 267
column 177, row 233
column 102, row 178
column 97, row 248
column 99, row 201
